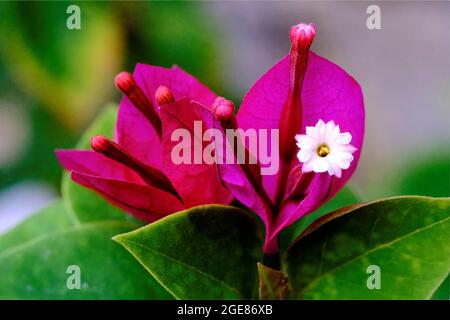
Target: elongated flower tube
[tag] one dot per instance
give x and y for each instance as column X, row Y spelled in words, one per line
column 131, row 171
column 301, row 37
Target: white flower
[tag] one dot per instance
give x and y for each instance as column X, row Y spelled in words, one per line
column 324, row 148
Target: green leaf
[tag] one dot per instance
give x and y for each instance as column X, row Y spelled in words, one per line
column 51, row 219
column 443, row 292
column 38, row 267
column 207, row 252
column 343, row 198
column 406, row 237
column 85, row 204
column 272, row 284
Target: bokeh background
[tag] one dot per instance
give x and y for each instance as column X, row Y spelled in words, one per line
column 53, row 81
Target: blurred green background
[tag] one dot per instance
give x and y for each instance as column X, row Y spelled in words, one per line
column 54, row 81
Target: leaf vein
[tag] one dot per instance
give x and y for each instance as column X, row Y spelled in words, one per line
column 385, row 245
column 210, row 276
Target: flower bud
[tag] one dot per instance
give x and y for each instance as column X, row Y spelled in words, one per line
column 302, row 36
column 223, row 109
column 164, row 96
column 101, row 144
column 127, row 85
column 124, row 82
column 115, row 152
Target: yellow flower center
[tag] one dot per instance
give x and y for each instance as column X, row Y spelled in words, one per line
column 323, row 150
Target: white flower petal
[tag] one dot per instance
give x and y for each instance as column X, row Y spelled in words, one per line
column 343, row 159
column 338, row 172
column 305, row 142
column 348, row 148
column 322, row 129
column 307, row 166
column 305, row 155
column 312, row 132
column 320, row 164
column 320, row 123
column 344, row 138
column 331, row 169
column 330, row 127
column 334, row 169
column 332, row 132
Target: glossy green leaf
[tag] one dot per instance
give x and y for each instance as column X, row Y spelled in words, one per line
column 406, row 237
column 38, row 268
column 343, row 198
column 207, row 252
column 85, row 204
column 272, row 284
column 443, row 292
column 427, row 176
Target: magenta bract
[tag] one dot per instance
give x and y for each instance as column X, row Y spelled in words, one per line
column 328, row 93
column 119, row 183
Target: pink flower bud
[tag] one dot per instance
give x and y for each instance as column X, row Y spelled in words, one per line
column 150, row 175
column 101, row 144
column 164, row 96
column 302, row 36
column 128, row 86
column 223, row 109
column 124, row 82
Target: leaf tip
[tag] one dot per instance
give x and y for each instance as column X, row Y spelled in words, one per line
column 119, row 238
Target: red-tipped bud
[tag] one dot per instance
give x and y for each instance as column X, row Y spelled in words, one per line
column 124, row 82
column 115, row 152
column 164, row 96
column 223, row 109
column 302, row 35
column 101, row 144
column 112, row 150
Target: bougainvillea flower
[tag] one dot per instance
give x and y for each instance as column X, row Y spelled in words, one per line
column 293, row 96
column 132, row 172
column 317, row 108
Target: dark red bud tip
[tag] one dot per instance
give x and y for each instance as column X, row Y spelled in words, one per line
column 164, row 96
column 124, row 82
column 223, row 109
column 101, row 144
column 302, row 35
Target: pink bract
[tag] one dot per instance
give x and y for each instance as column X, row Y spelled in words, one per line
column 125, row 188
column 328, row 93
